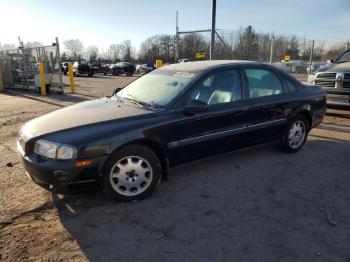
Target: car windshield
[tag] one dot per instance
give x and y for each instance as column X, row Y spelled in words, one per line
column 344, row 57
column 156, row 89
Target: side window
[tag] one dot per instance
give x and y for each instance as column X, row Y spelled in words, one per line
column 218, row 88
column 263, row 82
column 290, row 87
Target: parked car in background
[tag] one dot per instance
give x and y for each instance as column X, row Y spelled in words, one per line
column 126, row 68
column 183, row 60
column 299, row 66
column 99, row 68
column 314, row 67
column 334, row 78
column 64, row 67
column 175, row 114
column 293, row 66
column 82, row 68
column 144, row 68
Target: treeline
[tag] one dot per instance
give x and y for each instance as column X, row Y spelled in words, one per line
column 75, row 51
column 245, row 44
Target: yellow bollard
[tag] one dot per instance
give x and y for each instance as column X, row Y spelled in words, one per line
column 159, row 63
column 42, row 79
column 71, row 78
column 1, row 77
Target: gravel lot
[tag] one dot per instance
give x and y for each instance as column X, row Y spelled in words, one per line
column 255, row 205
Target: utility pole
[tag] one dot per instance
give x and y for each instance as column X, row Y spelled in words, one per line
column 58, row 61
column 271, row 50
column 177, row 37
column 213, row 18
column 311, row 55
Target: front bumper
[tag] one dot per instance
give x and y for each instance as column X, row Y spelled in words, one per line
column 339, row 98
column 61, row 176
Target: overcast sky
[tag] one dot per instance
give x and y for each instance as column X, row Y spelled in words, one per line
column 105, row 22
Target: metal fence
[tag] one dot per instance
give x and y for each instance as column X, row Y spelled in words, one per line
column 20, row 68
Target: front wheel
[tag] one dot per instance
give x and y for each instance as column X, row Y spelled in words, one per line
column 132, row 173
column 295, row 134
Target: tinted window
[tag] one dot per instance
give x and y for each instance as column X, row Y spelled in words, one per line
column 344, row 57
column 263, row 82
column 218, row 88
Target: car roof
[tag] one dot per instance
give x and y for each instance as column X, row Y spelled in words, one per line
column 204, row 65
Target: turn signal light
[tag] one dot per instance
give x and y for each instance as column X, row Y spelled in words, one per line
column 83, row 163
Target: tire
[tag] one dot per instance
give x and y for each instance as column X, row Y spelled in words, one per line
column 295, row 134
column 131, row 173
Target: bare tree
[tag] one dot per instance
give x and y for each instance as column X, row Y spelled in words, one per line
column 92, row 53
column 115, row 51
column 6, row 47
column 157, row 47
column 127, row 50
column 75, row 47
column 190, row 44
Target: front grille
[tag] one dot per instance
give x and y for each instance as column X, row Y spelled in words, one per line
column 346, row 84
column 325, row 83
column 326, row 79
column 346, row 76
column 328, row 76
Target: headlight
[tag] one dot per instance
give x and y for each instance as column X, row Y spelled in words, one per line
column 66, row 152
column 54, row 150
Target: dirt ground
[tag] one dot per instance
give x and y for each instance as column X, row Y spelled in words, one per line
column 255, row 205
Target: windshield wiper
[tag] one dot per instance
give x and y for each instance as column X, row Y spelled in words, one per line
column 134, row 100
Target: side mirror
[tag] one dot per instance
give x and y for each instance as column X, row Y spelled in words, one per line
column 195, row 106
column 116, row 90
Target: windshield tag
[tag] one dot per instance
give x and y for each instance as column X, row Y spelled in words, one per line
column 184, row 75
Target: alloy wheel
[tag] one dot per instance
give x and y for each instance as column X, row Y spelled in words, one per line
column 131, row 175
column 296, row 134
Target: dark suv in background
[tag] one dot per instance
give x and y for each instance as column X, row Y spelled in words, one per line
column 82, row 68
column 126, row 68
column 99, row 68
column 334, row 78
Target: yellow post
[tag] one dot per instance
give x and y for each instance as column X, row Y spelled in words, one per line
column 159, row 63
column 71, row 78
column 1, row 77
column 42, row 79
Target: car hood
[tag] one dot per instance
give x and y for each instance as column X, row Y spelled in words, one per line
column 336, row 67
column 80, row 114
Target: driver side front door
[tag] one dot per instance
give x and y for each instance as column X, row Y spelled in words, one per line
column 219, row 129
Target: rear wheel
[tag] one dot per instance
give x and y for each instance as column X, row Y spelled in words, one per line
column 295, row 134
column 132, row 173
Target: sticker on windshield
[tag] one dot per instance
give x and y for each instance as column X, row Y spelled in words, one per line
column 184, row 75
